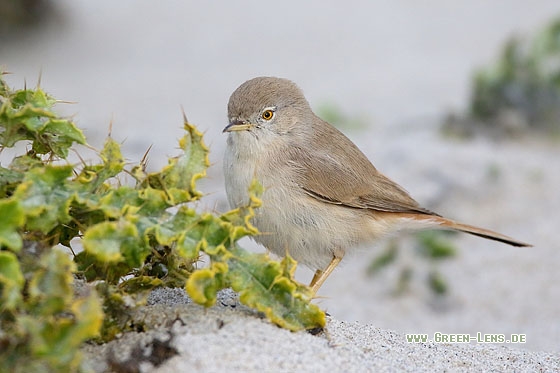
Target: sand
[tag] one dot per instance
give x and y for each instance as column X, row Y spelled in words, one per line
column 232, row 338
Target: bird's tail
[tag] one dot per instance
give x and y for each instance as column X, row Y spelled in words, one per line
column 429, row 221
column 481, row 232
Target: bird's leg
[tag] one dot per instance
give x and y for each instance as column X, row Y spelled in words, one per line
column 321, row 275
column 316, row 277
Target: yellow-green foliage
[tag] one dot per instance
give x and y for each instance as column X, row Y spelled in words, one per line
column 131, row 241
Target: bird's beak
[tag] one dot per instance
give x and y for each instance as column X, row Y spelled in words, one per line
column 237, row 125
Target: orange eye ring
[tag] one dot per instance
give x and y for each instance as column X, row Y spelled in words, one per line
column 267, row 114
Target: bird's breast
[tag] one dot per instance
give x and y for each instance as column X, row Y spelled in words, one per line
column 239, row 170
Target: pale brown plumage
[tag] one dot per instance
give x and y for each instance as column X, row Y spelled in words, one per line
column 322, row 194
column 364, row 187
column 361, row 186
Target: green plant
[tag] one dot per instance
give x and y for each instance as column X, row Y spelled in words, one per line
column 430, row 246
column 135, row 231
column 525, row 79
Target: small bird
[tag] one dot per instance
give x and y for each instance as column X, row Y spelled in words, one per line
column 322, row 196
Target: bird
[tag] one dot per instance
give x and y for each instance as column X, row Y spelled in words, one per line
column 322, row 196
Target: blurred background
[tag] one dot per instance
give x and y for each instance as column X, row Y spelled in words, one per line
column 396, row 77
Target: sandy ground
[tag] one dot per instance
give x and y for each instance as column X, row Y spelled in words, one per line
column 231, row 338
column 400, row 66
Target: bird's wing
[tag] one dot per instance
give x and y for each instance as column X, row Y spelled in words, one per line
column 338, row 172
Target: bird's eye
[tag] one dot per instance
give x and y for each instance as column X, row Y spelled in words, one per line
column 267, row 114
